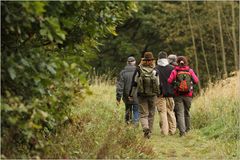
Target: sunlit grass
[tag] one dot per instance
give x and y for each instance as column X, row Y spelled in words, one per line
column 97, row 128
column 215, row 127
column 216, row 114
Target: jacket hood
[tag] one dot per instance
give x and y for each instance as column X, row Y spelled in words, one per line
column 162, row 62
column 182, row 68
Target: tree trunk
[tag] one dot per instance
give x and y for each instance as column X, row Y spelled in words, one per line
column 215, row 52
column 222, row 44
column 204, row 53
column 228, row 30
column 194, row 45
column 234, row 39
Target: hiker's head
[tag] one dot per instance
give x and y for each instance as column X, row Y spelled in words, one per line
column 172, row 59
column 148, row 59
column 148, row 56
column 182, row 61
column 162, row 55
column 131, row 61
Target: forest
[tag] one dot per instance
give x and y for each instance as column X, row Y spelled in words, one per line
column 53, row 53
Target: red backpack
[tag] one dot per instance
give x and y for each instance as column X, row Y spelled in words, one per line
column 183, row 81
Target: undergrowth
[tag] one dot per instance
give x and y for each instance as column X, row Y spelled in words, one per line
column 216, row 114
column 97, row 130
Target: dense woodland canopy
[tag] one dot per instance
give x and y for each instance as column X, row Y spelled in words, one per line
column 50, row 49
column 172, row 27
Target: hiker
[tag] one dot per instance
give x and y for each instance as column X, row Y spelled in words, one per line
column 123, row 87
column 172, row 59
column 146, row 83
column 165, row 102
column 183, row 78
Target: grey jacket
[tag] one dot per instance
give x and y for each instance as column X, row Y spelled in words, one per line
column 124, row 85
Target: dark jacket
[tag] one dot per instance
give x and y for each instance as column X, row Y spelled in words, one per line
column 164, row 72
column 124, row 85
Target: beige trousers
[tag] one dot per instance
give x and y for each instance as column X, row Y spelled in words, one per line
column 147, row 111
column 165, row 106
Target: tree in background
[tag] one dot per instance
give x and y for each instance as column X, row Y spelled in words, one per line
column 165, row 26
column 49, row 48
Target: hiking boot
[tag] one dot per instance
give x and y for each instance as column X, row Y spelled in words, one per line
column 136, row 125
column 147, row 133
column 182, row 134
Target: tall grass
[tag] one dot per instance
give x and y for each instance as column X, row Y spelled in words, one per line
column 216, row 113
column 98, row 130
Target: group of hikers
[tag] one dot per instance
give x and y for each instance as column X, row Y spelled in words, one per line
column 166, row 85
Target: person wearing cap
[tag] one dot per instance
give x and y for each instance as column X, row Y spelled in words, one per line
column 172, row 59
column 183, row 100
column 122, row 90
column 165, row 102
column 146, row 83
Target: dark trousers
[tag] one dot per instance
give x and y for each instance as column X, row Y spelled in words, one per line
column 131, row 114
column 182, row 108
column 175, row 112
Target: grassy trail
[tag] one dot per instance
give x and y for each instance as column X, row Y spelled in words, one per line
column 98, row 130
column 192, row 146
column 213, row 116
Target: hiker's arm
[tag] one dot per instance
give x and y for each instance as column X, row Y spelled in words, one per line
column 134, row 83
column 194, row 77
column 158, row 81
column 172, row 77
column 120, row 86
column 156, row 73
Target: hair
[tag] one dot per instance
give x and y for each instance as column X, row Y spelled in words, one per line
column 162, row 54
column 184, row 59
column 172, row 57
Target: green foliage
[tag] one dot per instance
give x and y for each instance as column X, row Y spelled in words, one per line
column 152, row 28
column 46, row 47
column 164, row 26
column 96, row 129
column 52, row 32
